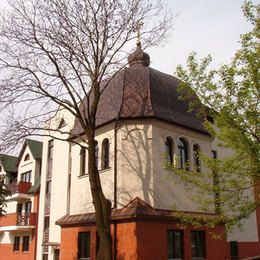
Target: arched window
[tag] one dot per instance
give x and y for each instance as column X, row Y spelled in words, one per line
column 183, row 154
column 96, row 153
column 169, row 149
column 105, row 154
column 27, row 157
column 83, row 161
column 196, row 159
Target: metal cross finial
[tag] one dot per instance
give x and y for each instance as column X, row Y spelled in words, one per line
column 138, row 26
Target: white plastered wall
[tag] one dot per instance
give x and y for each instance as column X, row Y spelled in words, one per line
column 135, row 163
column 59, row 185
column 169, row 192
column 81, row 199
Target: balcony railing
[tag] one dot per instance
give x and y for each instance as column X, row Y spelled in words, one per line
column 16, row 219
column 26, row 219
column 20, row 187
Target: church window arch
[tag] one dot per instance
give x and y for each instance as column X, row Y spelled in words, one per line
column 105, row 154
column 183, row 154
column 169, row 149
column 196, row 159
column 96, row 153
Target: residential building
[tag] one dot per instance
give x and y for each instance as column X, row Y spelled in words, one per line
column 18, row 227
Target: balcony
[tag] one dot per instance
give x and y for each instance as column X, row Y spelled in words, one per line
column 19, row 190
column 15, row 222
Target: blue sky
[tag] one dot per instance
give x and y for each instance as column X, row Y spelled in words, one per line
column 205, row 26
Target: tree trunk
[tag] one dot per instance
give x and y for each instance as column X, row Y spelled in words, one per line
column 101, row 204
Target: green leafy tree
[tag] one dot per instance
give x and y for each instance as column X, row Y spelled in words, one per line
column 229, row 100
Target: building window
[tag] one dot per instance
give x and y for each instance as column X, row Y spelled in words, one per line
column 175, row 244
column 62, row 124
column 84, row 245
column 26, row 177
column 183, row 154
column 234, row 250
column 26, row 243
column 198, row 244
column 214, row 154
column 105, row 154
column 50, row 149
column 45, row 257
column 96, row 153
column 16, row 244
column 27, row 157
column 46, row 222
column 28, row 207
column 83, row 161
column 169, row 150
column 48, row 187
column 19, row 208
column 196, row 159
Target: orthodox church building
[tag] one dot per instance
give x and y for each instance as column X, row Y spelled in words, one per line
column 139, row 118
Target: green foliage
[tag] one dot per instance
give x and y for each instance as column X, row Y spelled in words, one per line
column 231, row 96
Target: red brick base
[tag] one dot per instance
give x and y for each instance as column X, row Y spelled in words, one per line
column 141, row 240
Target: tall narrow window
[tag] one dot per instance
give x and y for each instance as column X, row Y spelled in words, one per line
column 46, row 222
column 96, row 153
column 175, row 244
column 105, row 154
column 216, row 182
column 26, row 243
column 196, row 159
column 16, row 244
column 48, row 187
column 28, row 207
column 183, row 154
column 84, row 245
column 19, row 208
column 83, row 161
column 169, row 150
column 50, row 150
column 198, row 244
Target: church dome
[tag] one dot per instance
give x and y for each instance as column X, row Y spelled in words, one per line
column 139, row 57
column 140, row 92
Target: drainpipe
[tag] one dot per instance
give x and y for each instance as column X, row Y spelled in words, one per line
column 115, row 187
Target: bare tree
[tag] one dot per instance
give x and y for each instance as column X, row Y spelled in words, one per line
column 56, row 50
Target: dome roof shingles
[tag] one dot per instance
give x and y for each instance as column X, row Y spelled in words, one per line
column 139, row 91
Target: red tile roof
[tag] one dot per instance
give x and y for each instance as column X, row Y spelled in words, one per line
column 136, row 208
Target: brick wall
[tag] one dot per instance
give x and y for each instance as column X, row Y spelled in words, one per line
column 7, row 253
column 142, row 240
